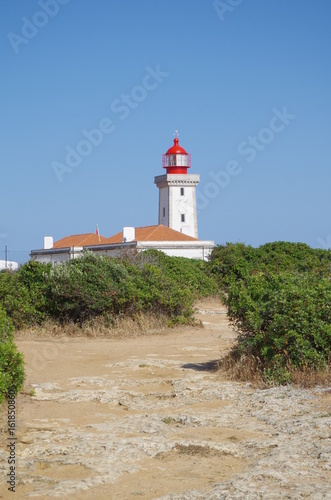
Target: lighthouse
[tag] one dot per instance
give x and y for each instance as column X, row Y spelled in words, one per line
column 177, row 197
column 176, row 233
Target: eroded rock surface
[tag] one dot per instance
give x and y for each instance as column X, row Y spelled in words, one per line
column 150, row 418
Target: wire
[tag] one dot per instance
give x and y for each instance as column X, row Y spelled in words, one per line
column 18, row 251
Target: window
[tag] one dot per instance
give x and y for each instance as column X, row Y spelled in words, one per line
column 182, row 217
column 182, row 191
column 176, row 160
column 163, row 212
column 172, row 160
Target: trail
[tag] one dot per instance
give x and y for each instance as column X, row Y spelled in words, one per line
column 150, row 418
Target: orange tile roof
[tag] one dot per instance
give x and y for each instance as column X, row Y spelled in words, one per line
column 146, row 233
column 153, row 233
column 80, row 240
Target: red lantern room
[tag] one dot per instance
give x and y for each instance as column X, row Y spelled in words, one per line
column 176, row 160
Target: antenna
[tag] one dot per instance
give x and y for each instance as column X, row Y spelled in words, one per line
column 176, row 134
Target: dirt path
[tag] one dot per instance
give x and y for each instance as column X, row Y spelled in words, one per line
column 150, row 418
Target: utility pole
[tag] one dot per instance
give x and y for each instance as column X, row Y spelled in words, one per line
column 6, row 257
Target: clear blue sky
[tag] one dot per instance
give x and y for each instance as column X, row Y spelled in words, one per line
column 222, row 79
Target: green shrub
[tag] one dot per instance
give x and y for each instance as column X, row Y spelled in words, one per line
column 89, row 286
column 278, row 297
column 231, row 262
column 11, row 361
column 23, row 294
column 159, row 293
column 236, row 261
column 283, row 320
column 93, row 285
column 11, row 370
column 168, row 285
column 15, row 299
column 6, row 327
column 33, row 276
column 189, row 273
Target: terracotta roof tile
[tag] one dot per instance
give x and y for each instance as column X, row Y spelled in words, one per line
column 146, row 233
column 153, row 233
column 80, row 240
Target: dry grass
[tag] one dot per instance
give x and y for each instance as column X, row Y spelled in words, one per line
column 250, row 369
column 311, row 378
column 245, row 369
column 121, row 327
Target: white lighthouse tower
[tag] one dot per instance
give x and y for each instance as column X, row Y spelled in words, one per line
column 177, row 198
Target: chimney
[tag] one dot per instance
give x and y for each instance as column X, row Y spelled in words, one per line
column 48, row 242
column 129, row 234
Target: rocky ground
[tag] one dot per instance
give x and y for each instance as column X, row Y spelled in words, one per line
column 150, row 418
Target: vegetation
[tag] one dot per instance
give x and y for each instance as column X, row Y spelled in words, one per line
column 11, row 361
column 85, row 288
column 23, row 294
column 90, row 288
column 236, row 261
column 96, row 286
column 279, row 299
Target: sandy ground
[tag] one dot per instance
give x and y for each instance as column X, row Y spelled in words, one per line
column 150, row 418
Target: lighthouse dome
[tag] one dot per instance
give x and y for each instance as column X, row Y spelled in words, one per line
column 176, row 149
column 176, row 160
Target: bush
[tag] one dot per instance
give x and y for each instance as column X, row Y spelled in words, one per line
column 93, row 285
column 284, row 320
column 188, row 273
column 15, row 299
column 159, row 293
column 232, row 262
column 278, row 297
column 11, row 361
column 6, row 327
column 86, row 287
column 236, row 261
column 23, row 294
column 33, row 276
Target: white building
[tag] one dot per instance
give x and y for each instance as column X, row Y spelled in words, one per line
column 176, row 233
column 8, row 264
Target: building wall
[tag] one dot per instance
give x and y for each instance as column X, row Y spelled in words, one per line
column 9, row 264
column 53, row 258
column 175, row 204
column 192, row 250
column 201, row 253
column 183, row 205
column 200, row 250
column 113, row 252
column 164, row 206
